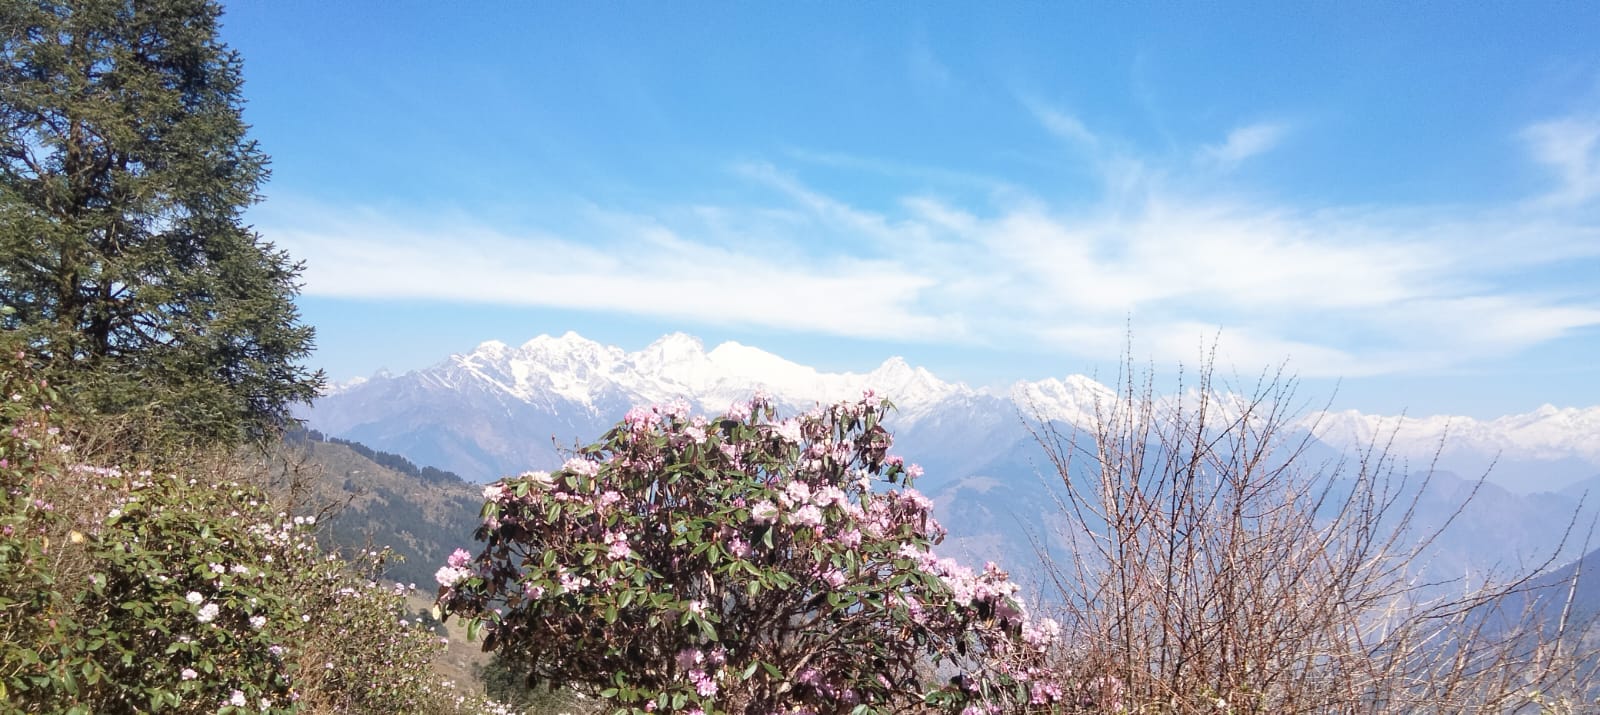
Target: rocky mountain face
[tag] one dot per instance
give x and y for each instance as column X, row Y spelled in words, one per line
column 501, row 410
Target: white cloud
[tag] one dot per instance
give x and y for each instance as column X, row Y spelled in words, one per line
column 650, row 271
column 1337, row 291
column 1570, row 146
column 1243, row 143
column 1062, row 124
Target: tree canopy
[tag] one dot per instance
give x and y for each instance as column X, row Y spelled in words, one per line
column 125, row 168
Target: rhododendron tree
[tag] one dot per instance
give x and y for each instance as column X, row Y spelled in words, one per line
column 744, row 564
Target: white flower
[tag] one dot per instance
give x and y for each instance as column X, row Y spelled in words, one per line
column 789, row 430
column 449, row 576
column 208, row 612
column 189, row 674
column 257, row 622
column 237, row 699
column 797, row 492
column 807, row 515
column 764, row 512
column 541, row 480
column 194, row 598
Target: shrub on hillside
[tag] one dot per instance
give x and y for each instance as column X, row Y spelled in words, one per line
column 743, row 564
column 126, row 590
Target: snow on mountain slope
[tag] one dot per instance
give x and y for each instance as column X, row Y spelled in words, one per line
column 675, row 367
column 495, row 409
column 1546, row 433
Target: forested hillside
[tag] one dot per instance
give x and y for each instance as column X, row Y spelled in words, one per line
column 382, row 500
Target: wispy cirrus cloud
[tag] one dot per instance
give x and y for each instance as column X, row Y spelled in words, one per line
column 1570, row 147
column 1340, row 291
column 1061, row 123
column 1243, row 143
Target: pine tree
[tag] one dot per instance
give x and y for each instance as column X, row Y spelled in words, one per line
column 125, row 168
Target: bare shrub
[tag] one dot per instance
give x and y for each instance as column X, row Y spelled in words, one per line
column 1214, row 565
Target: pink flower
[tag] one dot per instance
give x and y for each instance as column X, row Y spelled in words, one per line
column 703, row 684
column 807, row 515
column 571, row 583
column 449, row 576
column 619, row 546
column 850, row 538
column 641, row 419
column 459, row 558
column 764, row 512
column 796, row 493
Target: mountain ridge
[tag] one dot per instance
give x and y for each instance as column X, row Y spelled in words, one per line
column 583, row 385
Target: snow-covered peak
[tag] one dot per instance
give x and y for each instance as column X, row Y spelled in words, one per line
column 565, row 349
column 1548, row 432
column 334, row 388
column 745, row 361
column 490, row 348
column 910, row 387
column 1073, row 400
column 678, row 357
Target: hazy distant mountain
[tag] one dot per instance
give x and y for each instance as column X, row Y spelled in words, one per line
column 501, row 410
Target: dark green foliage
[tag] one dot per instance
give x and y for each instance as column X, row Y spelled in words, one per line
column 125, row 167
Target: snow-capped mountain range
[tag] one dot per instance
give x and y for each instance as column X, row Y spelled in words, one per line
column 569, row 388
column 501, row 410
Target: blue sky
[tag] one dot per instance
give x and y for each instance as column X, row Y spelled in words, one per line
column 1400, row 199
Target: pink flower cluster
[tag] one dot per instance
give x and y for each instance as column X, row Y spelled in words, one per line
column 455, row 569
column 672, row 530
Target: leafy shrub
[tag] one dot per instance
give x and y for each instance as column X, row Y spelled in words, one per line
column 742, row 564
column 128, row 590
